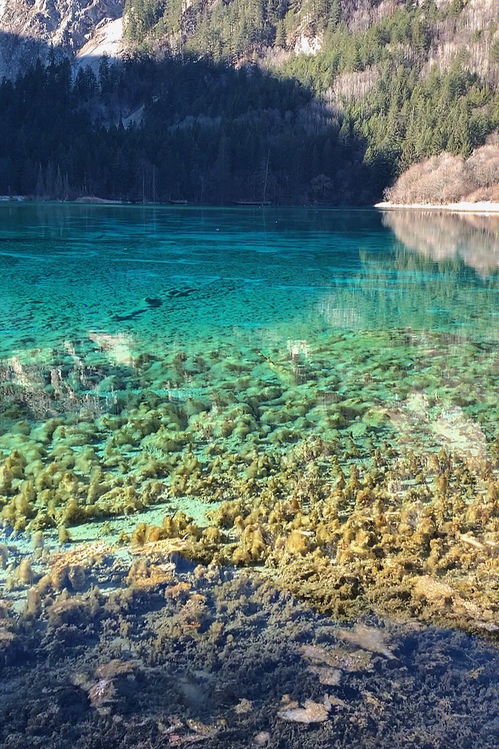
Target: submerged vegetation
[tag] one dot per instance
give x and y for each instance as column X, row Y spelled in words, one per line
column 393, row 508
column 177, row 656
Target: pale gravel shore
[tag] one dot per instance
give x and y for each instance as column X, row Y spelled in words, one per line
column 481, row 207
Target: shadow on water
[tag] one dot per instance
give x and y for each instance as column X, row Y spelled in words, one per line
column 176, row 656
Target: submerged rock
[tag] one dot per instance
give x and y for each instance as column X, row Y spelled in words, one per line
column 367, row 638
column 309, row 712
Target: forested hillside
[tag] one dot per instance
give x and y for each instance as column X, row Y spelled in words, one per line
column 413, row 78
column 207, row 132
column 285, row 100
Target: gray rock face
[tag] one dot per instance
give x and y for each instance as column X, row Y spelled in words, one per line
column 28, row 28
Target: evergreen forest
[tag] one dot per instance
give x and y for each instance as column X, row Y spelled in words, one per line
column 215, row 103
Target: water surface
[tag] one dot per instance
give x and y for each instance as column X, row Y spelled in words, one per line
column 304, row 395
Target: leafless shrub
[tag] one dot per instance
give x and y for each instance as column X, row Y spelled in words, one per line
column 353, row 85
column 449, row 179
column 483, row 165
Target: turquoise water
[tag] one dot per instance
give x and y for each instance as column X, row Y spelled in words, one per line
column 317, row 391
column 70, row 271
column 268, row 325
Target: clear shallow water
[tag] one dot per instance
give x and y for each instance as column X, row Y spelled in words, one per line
column 328, row 375
column 254, row 329
column 307, row 300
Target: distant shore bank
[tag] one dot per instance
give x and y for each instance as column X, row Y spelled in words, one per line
column 95, row 199
column 482, row 207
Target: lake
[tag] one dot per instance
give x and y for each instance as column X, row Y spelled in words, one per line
column 248, row 476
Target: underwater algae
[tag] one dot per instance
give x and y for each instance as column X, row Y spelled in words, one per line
column 168, row 627
column 179, row 655
column 361, row 507
column 255, row 535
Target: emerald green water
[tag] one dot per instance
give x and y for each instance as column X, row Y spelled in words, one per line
column 264, row 325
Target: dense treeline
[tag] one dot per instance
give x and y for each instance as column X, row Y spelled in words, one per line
column 373, row 65
column 215, row 104
column 202, row 131
column 237, row 28
column 406, row 118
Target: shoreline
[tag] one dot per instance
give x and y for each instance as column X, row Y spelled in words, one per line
column 481, row 207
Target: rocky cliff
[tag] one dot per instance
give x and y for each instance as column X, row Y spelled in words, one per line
column 28, row 28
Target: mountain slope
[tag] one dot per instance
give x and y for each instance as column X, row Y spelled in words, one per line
column 430, row 32
column 379, row 85
column 28, row 28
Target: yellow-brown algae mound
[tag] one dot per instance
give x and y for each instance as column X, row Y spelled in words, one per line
column 69, row 570
column 144, row 575
column 414, row 536
column 72, row 610
column 4, row 555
